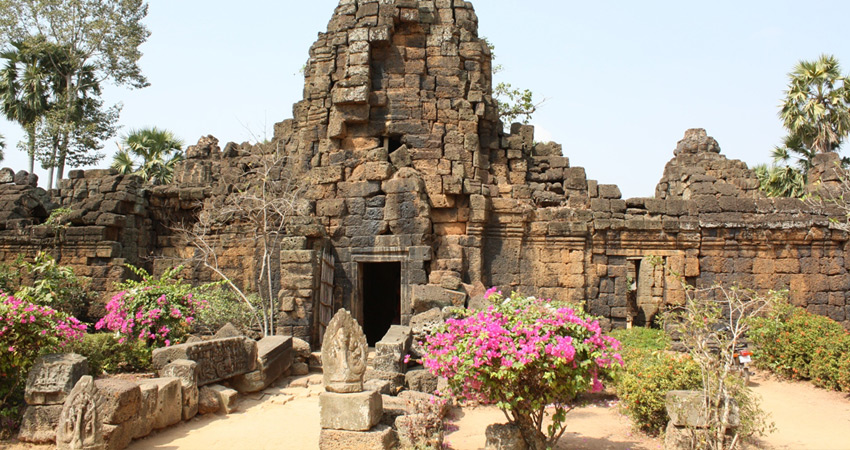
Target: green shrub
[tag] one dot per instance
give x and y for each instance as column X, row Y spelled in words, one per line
column 224, row 307
column 107, row 355
column 641, row 338
column 649, row 372
column 49, row 284
column 794, row 343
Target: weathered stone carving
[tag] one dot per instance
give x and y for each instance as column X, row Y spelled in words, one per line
column 79, row 423
column 53, row 376
column 344, row 352
column 217, row 359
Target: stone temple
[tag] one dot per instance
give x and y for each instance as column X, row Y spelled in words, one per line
column 414, row 196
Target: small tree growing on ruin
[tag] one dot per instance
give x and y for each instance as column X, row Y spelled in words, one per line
column 255, row 215
column 712, row 323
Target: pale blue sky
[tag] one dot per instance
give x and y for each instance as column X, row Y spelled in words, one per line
column 624, row 80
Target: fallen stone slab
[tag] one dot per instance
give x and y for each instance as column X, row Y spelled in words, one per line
column 217, row 359
column 187, row 372
column 117, row 437
column 169, row 403
column 120, row 400
column 396, row 379
column 420, row 380
column 391, row 350
column 428, row 296
column 382, row 437
column 228, row 398
column 274, row 357
column 383, row 387
column 687, row 409
column 53, row 376
column 208, row 401
column 504, row 436
column 142, row 423
column 38, row 425
column 357, row 411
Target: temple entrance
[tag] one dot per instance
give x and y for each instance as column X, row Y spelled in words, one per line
column 381, row 283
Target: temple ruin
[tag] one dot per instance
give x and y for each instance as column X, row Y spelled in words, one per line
column 414, row 196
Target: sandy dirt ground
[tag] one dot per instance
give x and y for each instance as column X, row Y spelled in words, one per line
column 287, row 417
column 805, row 417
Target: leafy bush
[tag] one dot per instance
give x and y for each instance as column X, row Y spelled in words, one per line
column 796, row 344
column 106, row 354
column 53, row 285
column 10, row 276
column 28, row 330
column 225, row 307
column 641, row 338
column 525, row 355
column 649, row 372
column 158, row 312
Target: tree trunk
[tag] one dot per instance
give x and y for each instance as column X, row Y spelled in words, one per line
column 31, row 147
column 535, row 439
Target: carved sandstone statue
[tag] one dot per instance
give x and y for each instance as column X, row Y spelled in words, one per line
column 344, row 352
column 79, row 425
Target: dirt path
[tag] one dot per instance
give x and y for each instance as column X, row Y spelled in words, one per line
column 806, row 417
column 287, row 417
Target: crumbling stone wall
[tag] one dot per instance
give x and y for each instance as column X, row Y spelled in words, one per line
column 403, row 159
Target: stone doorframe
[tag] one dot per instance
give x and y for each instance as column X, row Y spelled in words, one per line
column 381, row 255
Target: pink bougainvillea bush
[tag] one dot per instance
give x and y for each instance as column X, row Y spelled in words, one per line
column 26, row 331
column 157, row 311
column 530, row 357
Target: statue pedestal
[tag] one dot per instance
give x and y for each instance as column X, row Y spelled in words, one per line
column 351, row 412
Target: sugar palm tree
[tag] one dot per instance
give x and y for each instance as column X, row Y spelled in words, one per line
column 780, row 181
column 816, row 109
column 151, row 153
column 25, row 85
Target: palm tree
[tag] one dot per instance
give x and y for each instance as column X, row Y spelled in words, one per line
column 2, row 146
column 816, row 109
column 157, row 152
column 780, row 181
column 25, row 84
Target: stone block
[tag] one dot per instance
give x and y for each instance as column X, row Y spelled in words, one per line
column 142, row 423
column 169, row 401
column 682, row 438
column 217, row 359
column 208, row 401
column 383, row 387
column 427, row 297
column 120, row 400
column 420, row 380
column 53, row 376
column 359, row 411
column 7, row 176
column 379, row 438
column 395, row 379
column 392, row 348
column 504, row 436
column 117, row 437
column 228, row 398
column 274, row 357
column 228, row 330
column 187, row 372
column 686, row 409
column 38, row 425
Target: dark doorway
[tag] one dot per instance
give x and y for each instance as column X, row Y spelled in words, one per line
column 381, row 299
